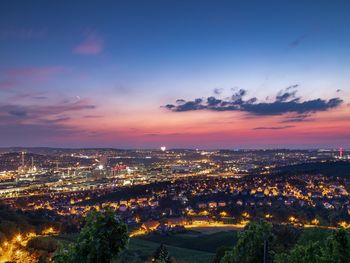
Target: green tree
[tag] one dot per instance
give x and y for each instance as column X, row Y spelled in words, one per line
column 285, row 237
column 100, row 241
column 161, row 255
column 220, row 253
column 337, row 248
column 250, row 245
column 310, row 253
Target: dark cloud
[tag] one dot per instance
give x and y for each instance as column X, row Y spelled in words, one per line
column 18, row 113
column 287, row 94
column 187, row 106
column 274, row 127
column 40, row 97
column 92, row 116
column 217, row 91
column 180, row 101
column 285, row 101
column 212, row 101
column 278, row 108
column 296, row 42
column 164, row 134
column 298, row 118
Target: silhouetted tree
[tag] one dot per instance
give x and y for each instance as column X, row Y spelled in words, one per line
column 161, row 255
column 250, row 245
column 337, row 248
column 310, row 253
column 220, row 253
column 100, row 241
column 334, row 250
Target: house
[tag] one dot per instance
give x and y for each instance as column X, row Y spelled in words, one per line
column 179, row 221
column 150, row 225
column 202, row 205
column 199, row 220
column 212, row 204
column 221, row 204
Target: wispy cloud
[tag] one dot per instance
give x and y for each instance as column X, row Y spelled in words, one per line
column 37, row 73
column 91, row 45
column 274, row 127
column 16, row 113
column 298, row 118
column 25, row 121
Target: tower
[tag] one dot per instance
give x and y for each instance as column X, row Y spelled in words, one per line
column 23, row 159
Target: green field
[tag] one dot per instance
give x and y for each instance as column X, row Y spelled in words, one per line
column 190, row 247
column 196, row 241
column 144, row 249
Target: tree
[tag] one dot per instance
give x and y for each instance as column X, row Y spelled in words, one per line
column 161, row 255
column 250, row 245
column 220, row 253
column 285, row 237
column 100, row 241
column 310, row 253
column 334, row 249
column 337, row 248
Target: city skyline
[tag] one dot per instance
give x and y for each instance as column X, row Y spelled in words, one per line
column 184, row 74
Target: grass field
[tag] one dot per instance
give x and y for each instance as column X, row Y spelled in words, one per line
column 196, row 241
column 189, row 247
column 145, row 250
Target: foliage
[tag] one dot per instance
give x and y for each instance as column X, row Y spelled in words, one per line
column 310, row 253
column 161, row 255
column 314, row 235
column 100, row 241
column 220, row 253
column 250, row 244
column 285, row 237
column 335, row 249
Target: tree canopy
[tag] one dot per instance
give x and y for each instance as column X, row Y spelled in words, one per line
column 250, row 245
column 101, row 240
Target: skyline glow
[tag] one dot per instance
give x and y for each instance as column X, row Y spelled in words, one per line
column 144, row 75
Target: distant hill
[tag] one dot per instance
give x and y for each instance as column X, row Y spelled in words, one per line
column 339, row 168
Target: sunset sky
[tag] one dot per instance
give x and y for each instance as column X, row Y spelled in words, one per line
column 185, row 74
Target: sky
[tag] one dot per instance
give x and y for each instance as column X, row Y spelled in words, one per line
column 184, row 74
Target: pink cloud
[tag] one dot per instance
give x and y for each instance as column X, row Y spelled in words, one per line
column 92, row 45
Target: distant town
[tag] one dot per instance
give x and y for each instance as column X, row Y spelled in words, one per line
column 147, row 185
